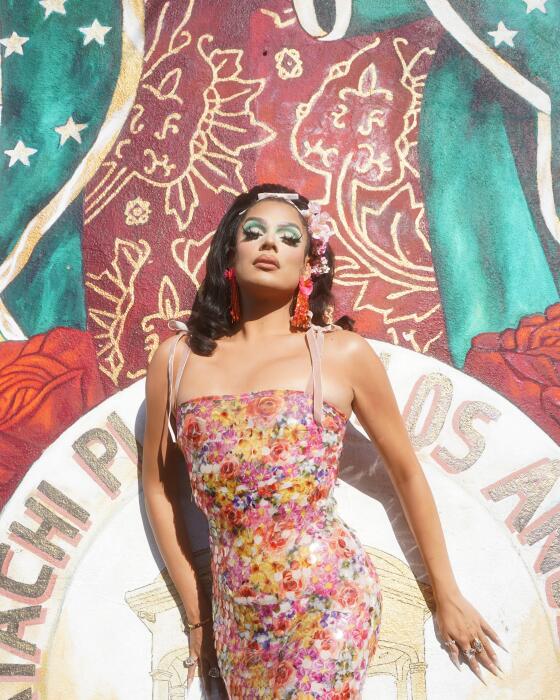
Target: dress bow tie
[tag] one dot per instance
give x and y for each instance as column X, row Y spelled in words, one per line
column 175, row 325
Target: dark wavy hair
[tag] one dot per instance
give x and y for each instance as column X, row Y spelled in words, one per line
column 209, row 317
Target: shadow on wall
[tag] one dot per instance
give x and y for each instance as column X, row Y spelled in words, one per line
column 407, row 597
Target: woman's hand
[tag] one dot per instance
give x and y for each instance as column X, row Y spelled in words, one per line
column 201, row 647
column 460, row 624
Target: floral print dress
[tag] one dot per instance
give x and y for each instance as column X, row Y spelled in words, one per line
column 296, row 600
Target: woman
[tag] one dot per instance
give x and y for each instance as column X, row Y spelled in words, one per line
column 296, row 602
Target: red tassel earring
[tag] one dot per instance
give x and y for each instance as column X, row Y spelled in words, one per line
column 234, row 311
column 300, row 320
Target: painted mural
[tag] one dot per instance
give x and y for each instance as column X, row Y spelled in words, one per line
column 427, row 129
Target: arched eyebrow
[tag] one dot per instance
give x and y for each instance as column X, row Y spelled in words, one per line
column 262, row 221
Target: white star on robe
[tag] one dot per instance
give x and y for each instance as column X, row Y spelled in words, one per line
column 70, row 130
column 20, row 152
column 14, row 44
column 95, row 32
column 53, row 6
column 503, row 34
column 536, row 5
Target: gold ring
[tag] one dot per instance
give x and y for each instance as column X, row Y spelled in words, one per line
column 476, row 644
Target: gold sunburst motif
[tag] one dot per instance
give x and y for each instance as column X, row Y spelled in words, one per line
column 177, row 162
column 373, row 184
column 116, row 287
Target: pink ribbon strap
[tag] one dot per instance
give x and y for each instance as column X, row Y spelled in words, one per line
column 174, row 325
column 316, row 338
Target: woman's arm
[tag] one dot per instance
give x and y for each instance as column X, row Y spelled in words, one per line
column 377, row 410
column 162, row 463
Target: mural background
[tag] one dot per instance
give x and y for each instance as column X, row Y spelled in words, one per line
column 427, row 129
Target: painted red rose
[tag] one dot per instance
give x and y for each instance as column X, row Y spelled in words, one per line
column 318, row 494
column 46, row 383
column 523, row 364
column 246, row 591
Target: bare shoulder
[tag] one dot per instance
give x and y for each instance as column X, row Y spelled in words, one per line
column 349, row 346
column 159, row 359
column 157, row 369
column 354, row 359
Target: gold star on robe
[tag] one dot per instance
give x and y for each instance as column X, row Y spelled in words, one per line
column 70, row 130
column 503, row 35
column 96, row 32
column 20, row 152
column 53, row 6
column 14, row 44
column 536, row 5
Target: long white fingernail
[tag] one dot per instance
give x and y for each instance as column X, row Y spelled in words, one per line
column 477, row 671
column 494, row 669
column 502, row 645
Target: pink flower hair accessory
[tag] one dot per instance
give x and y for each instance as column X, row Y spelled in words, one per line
column 317, row 224
column 320, row 229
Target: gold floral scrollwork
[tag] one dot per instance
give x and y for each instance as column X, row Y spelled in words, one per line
column 280, row 23
column 204, row 152
column 288, row 64
column 167, row 87
column 366, row 160
column 138, row 112
column 168, row 125
column 162, row 162
column 137, row 212
column 169, row 307
column 189, row 258
column 116, row 287
column 346, row 133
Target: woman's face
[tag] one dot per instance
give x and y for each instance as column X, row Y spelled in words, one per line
column 271, row 229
